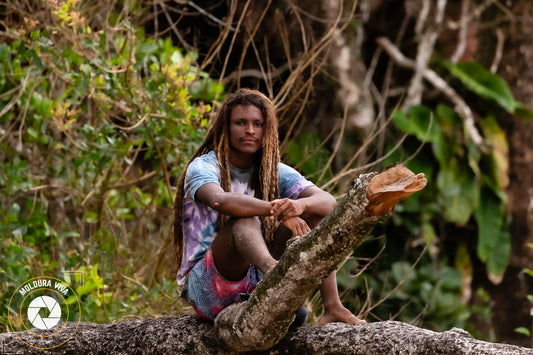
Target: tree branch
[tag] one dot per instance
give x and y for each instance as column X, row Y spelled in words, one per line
column 460, row 105
column 264, row 319
column 424, row 51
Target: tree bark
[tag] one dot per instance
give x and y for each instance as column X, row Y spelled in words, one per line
column 191, row 335
column 512, row 308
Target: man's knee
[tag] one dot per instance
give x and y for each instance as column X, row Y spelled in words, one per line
column 245, row 225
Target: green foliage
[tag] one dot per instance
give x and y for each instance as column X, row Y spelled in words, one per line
column 418, row 121
column 95, row 126
column 308, row 154
column 471, row 180
column 494, row 244
column 484, row 83
column 466, row 186
column 96, row 121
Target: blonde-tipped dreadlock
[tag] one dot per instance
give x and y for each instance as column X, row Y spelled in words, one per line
column 265, row 181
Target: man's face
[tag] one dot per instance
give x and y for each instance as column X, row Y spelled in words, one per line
column 246, row 131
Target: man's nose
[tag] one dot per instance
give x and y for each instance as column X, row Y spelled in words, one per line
column 250, row 128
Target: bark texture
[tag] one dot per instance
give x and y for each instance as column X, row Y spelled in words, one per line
column 191, row 335
column 511, row 307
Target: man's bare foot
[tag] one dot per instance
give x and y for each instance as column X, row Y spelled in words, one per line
column 339, row 314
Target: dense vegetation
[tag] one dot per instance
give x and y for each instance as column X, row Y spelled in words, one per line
column 97, row 121
column 95, row 126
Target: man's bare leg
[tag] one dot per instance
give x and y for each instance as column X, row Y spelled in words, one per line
column 237, row 246
column 334, row 311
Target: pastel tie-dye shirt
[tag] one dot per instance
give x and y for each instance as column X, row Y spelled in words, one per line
column 200, row 220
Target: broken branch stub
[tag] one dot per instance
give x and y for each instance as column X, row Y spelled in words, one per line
column 391, row 186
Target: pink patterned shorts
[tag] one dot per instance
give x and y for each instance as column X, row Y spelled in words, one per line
column 209, row 292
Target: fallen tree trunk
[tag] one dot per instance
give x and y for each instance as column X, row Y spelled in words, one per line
column 191, row 335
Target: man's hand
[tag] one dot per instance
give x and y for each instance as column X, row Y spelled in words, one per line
column 297, row 226
column 285, row 208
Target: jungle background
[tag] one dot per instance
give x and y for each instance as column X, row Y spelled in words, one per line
column 103, row 102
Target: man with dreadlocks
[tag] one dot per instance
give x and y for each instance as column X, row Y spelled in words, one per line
column 228, row 200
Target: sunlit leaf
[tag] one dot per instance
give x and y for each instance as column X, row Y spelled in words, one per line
column 523, row 330
column 499, row 156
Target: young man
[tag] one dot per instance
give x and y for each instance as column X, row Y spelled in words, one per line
column 232, row 193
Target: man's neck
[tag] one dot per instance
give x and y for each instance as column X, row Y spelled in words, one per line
column 241, row 161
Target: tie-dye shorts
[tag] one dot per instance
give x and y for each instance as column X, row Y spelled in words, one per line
column 209, row 292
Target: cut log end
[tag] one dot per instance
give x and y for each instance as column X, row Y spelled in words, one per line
column 391, row 186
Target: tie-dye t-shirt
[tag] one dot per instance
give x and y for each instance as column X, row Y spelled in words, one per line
column 200, row 220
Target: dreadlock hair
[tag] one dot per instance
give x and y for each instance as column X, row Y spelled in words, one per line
column 265, row 181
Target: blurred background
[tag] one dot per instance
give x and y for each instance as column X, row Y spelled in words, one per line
column 103, row 102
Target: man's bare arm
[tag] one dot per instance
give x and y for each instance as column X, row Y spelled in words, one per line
column 312, row 200
column 232, row 203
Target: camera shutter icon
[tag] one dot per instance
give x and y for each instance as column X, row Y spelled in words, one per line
column 53, row 309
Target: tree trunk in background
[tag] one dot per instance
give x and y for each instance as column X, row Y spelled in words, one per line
column 516, row 68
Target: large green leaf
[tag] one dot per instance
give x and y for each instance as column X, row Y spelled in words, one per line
column 459, row 191
column 489, row 217
column 494, row 242
column 498, row 260
column 484, row 83
column 418, row 121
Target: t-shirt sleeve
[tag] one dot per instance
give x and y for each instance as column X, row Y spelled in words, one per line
column 201, row 171
column 291, row 182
